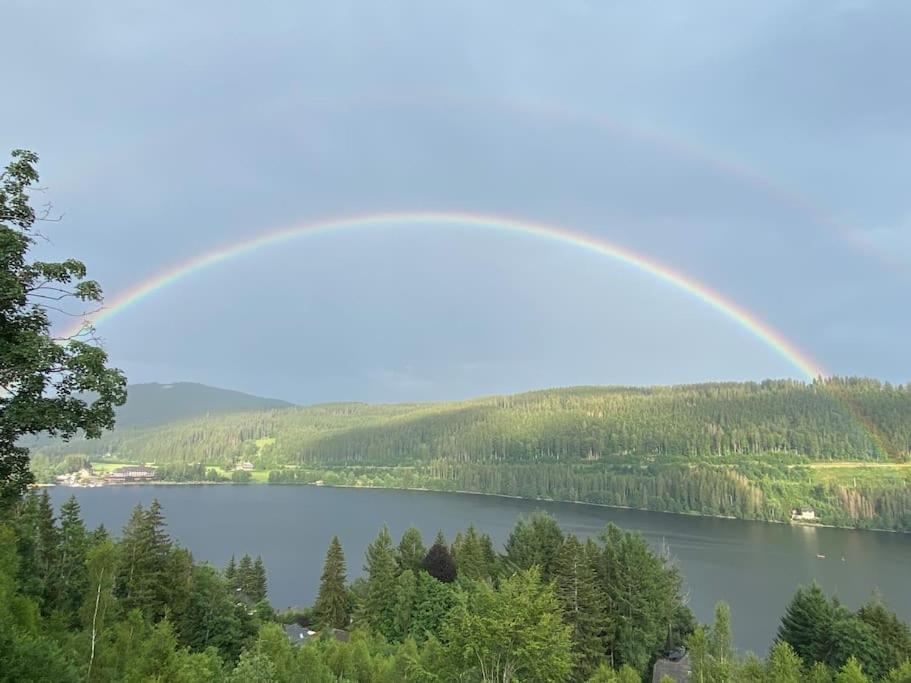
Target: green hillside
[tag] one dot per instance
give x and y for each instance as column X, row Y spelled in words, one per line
column 743, row 449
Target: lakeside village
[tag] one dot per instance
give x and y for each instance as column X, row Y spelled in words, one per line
column 88, row 477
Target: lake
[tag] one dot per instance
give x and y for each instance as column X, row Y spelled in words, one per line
column 754, row 566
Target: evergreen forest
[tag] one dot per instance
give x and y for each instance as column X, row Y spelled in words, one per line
column 749, row 450
column 83, row 605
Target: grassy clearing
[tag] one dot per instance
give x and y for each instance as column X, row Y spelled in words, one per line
column 105, row 467
column 256, row 476
column 853, row 473
column 853, row 464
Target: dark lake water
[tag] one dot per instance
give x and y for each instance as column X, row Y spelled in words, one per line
column 752, row 565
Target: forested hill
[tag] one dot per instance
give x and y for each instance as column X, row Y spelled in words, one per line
column 154, row 404
column 852, row 419
column 750, row 450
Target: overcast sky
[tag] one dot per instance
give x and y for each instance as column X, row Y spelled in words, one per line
column 763, row 149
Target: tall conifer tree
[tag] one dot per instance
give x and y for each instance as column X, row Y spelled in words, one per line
column 807, row 624
column 581, row 603
column 411, row 550
column 244, row 578
column 144, row 577
column 470, row 558
column 380, row 569
column 258, row 581
column 332, row 604
column 71, row 575
column 534, row 541
column 231, row 572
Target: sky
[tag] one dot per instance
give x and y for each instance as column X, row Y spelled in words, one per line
column 761, row 149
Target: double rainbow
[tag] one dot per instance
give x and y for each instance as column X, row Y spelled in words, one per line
column 750, row 322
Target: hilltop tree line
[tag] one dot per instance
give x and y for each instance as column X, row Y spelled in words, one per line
column 840, row 419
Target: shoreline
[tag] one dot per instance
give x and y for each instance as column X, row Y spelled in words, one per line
column 605, row 505
column 493, row 495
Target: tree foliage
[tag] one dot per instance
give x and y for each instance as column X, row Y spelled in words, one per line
column 439, row 564
column 332, row 602
column 146, row 611
column 47, row 385
column 514, row 633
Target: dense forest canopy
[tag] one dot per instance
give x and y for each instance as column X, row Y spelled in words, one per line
column 81, row 605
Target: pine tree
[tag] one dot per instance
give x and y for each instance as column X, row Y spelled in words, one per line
column 818, row 673
column 470, row 560
column 851, row 672
column 642, row 597
column 245, row 575
column 403, row 606
column 211, row 618
column 534, row 541
column 380, row 569
column 720, row 643
column 71, row 574
column 49, row 539
column 490, row 555
column 155, row 523
column 807, row 623
column 784, row 666
column 753, row 670
column 852, row 638
column 411, row 550
column 258, row 580
column 98, row 535
column 38, row 545
column 231, row 573
column 891, row 632
column 332, row 604
column 456, row 547
column 143, row 580
column 576, row 587
column 439, row 563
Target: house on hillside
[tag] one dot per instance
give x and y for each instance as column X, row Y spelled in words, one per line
column 675, row 665
column 804, row 514
column 298, row 635
column 244, row 467
column 130, row 473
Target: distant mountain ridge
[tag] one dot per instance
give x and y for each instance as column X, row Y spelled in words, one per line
column 155, row 404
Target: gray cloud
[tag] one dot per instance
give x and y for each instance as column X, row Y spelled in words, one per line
column 760, row 148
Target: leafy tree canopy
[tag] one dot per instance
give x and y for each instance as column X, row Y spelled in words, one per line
column 45, row 382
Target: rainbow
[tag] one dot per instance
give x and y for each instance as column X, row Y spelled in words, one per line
column 745, row 319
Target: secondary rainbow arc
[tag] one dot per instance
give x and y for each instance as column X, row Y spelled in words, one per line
column 749, row 321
